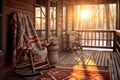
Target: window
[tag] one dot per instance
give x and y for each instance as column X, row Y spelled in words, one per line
column 94, row 22
column 53, row 19
column 40, row 20
column 102, row 16
column 64, row 26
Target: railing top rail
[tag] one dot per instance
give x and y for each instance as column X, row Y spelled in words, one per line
column 94, row 30
column 118, row 32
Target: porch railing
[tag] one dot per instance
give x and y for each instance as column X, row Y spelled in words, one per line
column 97, row 38
column 117, row 42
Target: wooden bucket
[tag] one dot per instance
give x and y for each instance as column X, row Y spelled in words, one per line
column 53, row 54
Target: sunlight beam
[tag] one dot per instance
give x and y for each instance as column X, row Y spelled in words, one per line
column 84, row 14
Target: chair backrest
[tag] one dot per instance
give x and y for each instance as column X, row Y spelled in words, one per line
column 74, row 37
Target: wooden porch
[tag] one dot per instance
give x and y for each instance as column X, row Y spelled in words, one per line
column 106, row 56
column 57, row 17
column 96, row 58
column 87, row 57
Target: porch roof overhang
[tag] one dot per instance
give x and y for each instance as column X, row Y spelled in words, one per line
column 80, row 2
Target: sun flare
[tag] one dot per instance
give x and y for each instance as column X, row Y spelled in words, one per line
column 84, row 14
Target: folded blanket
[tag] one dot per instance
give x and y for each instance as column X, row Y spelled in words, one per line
column 24, row 35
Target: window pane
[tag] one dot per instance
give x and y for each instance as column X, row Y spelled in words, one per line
column 43, row 12
column 37, row 24
column 43, row 24
column 51, row 25
column 53, row 19
column 51, row 13
column 54, row 24
column 37, row 12
column 64, row 19
column 54, row 13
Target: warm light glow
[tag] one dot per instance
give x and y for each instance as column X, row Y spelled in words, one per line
column 94, row 17
column 84, row 14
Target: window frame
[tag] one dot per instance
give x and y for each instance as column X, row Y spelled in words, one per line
column 64, row 30
column 53, row 18
column 41, row 31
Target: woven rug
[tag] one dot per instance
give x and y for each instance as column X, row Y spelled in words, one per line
column 83, row 73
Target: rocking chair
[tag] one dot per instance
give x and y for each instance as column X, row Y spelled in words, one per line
column 75, row 41
column 27, row 50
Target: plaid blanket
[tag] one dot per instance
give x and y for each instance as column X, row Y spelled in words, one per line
column 24, row 34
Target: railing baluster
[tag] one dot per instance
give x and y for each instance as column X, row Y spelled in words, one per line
column 97, row 38
column 84, row 38
column 102, row 38
column 88, row 39
column 94, row 38
column 109, row 38
column 91, row 38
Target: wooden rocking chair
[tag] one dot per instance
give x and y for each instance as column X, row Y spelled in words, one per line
column 75, row 41
column 27, row 50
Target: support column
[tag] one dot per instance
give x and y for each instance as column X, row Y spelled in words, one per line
column 47, row 19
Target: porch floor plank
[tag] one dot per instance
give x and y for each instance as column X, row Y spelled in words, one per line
column 98, row 58
column 89, row 57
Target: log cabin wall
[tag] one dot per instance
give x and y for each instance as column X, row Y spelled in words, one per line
column 11, row 6
column 70, row 17
column 59, row 21
column 69, row 23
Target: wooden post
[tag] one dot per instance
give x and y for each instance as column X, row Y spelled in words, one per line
column 114, row 43
column 47, row 19
column 118, row 15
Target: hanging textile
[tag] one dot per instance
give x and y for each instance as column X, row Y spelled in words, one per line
column 24, row 35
